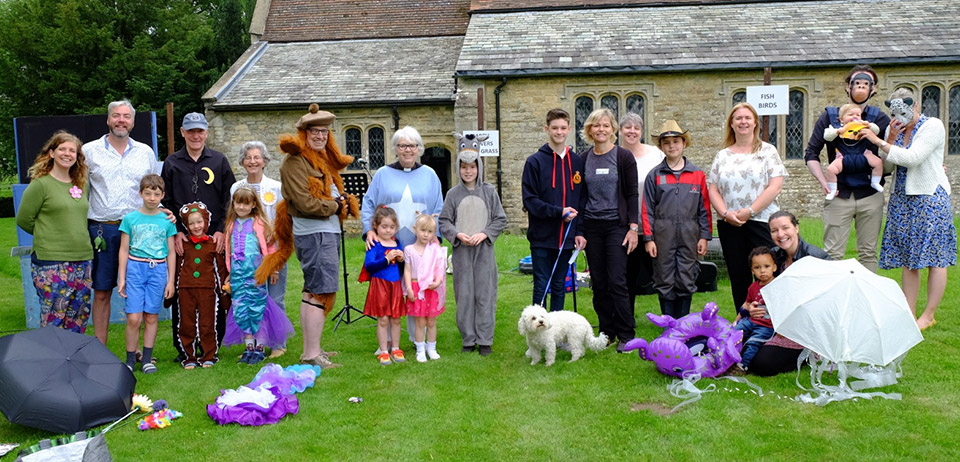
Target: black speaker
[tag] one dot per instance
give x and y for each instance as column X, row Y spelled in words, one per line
column 707, row 280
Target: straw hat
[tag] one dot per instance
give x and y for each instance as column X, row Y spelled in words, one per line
column 315, row 117
column 672, row 128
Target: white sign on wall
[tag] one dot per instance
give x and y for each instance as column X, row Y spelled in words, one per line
column 769, row 99
column 489, row 147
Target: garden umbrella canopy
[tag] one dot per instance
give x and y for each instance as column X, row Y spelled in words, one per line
column 61, row 381
column 842, row 311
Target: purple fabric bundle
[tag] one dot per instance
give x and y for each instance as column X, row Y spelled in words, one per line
column 253, row 414
column 282, row 385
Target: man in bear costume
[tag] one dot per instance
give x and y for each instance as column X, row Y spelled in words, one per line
column 309, row 221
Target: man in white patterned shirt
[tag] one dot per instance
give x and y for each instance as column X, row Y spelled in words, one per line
column 116, row 164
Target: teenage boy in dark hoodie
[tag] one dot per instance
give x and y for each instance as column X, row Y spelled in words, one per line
column 552, row 183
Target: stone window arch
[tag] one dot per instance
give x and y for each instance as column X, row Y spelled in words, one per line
column 791, row 141
column 620, row 95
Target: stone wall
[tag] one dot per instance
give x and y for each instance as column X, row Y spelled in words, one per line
column 699, row 101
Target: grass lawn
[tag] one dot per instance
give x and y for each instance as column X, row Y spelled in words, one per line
column 466, row 407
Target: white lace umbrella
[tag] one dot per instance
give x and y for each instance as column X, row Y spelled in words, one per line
column 842, row 311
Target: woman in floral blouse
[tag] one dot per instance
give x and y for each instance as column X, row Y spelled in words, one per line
column 54, row 211
column 744, row 182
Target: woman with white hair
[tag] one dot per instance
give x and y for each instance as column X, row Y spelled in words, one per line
column 919, row 231
column 406, row 186
column 639, row 264
column 254, row 159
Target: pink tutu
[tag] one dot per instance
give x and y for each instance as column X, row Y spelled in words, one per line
column 429, row 307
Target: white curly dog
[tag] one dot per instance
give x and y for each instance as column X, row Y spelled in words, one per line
column 545, row 329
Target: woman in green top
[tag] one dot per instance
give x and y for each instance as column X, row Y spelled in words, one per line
column 54, row 211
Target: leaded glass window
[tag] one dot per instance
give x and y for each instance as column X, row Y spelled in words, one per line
column 635, row 104
column 794, row 126
column 930, row 101
column 739, row 97
column 354, row 146
column 953, row 127
column 583, row 108
column 375, row 148
column 612, row 103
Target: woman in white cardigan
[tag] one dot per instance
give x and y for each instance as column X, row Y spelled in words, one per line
column 919, row 231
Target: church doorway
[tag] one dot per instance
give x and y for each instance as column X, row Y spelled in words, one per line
column 438, row 159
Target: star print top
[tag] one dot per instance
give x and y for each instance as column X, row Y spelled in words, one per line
column 406, row 192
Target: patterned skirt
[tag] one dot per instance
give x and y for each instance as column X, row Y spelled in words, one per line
column 64, row 291
column 919, row 232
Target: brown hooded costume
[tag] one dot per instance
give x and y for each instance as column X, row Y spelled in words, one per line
column 306, row 177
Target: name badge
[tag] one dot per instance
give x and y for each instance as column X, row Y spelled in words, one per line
column 603, row 171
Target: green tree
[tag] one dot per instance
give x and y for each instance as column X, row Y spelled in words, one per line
column 72, row 56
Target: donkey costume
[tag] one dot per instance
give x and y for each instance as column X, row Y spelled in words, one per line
column 472, row 210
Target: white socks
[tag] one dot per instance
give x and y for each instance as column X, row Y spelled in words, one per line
column 421, row 352
column 432, row 350
column 875, row 183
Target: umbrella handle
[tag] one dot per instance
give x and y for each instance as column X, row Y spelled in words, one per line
column 109, row 427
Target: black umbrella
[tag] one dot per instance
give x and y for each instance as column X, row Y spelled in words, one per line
column 61, row 381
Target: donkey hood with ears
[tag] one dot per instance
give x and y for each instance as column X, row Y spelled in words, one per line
column 468, row 151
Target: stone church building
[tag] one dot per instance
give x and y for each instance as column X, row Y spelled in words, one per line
column 447, row 65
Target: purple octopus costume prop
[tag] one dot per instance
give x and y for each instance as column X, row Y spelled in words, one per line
column 698, row 343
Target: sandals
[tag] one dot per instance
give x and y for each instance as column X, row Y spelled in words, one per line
column 148, row 368
column 153, row 359
column 207, row 364
column 320, row 360
column 188, row 366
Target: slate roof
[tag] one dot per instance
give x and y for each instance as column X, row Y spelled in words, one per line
column 348, row 72
column 313, row 20
column 718, row 36
column 529, row 5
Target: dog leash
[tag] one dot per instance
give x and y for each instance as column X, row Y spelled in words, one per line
column 559, row 254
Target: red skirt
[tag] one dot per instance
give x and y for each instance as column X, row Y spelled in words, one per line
column 385, row 298
column 430, row 307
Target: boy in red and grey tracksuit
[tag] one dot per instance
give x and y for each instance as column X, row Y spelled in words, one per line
column 676, row 223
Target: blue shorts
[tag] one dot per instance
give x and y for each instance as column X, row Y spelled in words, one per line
column 145, row 287
column 105, row 262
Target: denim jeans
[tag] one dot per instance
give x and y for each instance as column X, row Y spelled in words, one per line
column 754, row 336
column 543, row 260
